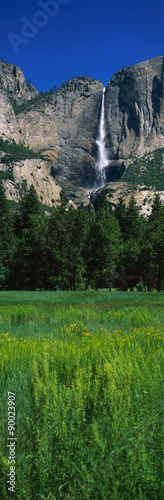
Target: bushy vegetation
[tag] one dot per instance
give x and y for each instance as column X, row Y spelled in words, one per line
column 147, row 170
column 25, row 106
column 89, row 395
column 34, row 101
column 6, row 175
column 16, row 152
column 80, row 248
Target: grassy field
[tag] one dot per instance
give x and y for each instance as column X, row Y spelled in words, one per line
column 87, row 371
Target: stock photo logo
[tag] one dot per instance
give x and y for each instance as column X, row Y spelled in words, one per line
column 40, row 19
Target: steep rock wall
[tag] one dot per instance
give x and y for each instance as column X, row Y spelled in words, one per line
column 13, row 88
column 12, row 80
column 64, row 128
column 134, row 113
column 29, row 172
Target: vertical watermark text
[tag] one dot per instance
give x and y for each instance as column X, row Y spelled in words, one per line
column 11, row 440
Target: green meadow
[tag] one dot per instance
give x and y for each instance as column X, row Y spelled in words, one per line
column 87, row 371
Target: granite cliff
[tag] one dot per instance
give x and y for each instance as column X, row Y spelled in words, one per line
column 134, row 114
column 13, row 88
column 63, row 126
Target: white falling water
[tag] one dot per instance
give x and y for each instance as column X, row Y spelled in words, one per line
column 102, row 162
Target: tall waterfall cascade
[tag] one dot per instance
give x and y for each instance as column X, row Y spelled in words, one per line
column 102, row 161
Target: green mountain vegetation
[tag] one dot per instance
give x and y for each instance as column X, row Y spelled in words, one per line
column 6, row 175
column 26, row 105
column 16, row 152
column 147, row 170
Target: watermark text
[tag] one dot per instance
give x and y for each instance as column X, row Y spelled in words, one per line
column 11, row 441
column 30, row 28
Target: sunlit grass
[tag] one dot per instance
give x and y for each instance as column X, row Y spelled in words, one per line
column 28, row 313
column 88, row 379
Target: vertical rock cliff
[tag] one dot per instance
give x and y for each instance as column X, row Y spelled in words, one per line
column 63, row 125
column 13, row 89
column 64, row 128
column 134, row 113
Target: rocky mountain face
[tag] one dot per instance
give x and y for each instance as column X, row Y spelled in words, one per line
column 143, row 195
column 12, row 81
column 63, row 126
column 13, row 87
column 34, row 172
column 134, row 114
column 64, row 129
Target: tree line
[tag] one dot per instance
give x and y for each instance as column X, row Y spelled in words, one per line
column 80, row 248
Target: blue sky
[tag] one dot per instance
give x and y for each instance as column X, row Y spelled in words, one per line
column 96, row 37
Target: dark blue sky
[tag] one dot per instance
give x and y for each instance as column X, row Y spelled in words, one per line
column 96, row 37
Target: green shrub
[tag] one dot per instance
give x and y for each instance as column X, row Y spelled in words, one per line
column 6, row 175
column 16, row 152
column 25, row 106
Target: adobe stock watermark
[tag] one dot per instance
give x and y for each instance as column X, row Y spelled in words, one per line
column 30, row 28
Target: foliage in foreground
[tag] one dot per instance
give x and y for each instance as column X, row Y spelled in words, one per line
column 89, row 418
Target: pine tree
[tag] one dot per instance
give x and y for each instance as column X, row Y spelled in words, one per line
column 156, row 238
column 28, row 269
column 7, row 240
column 102, row 202
column 120, row 214
column 105, row 244
column 132, row 222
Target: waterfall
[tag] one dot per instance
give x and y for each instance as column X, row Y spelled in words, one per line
column 102, row 162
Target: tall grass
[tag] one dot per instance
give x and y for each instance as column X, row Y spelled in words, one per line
column 89, row 399
column 31, row 313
